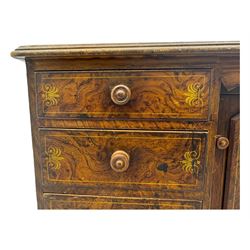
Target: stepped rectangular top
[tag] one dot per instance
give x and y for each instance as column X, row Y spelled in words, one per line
column 132, row 49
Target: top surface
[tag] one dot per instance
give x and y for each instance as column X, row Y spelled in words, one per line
column 124, row 49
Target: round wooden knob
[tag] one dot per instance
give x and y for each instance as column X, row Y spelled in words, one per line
column 222, row 142
column 120, row 94
column 119, row 161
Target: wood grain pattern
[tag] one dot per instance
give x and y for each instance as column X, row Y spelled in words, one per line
column 154, row 94
column 232, row 185
column 133, row 49
column 102, row 202
column 231, row 77
column 217, row 62
column 175, row 159
column 229, row 107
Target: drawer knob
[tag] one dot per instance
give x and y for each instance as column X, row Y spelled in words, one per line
column 119, row 161
column 120, row 94
column 222, row 142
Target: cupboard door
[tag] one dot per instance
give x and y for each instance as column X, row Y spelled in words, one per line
column 232, row 184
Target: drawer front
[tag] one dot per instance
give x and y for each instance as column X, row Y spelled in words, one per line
column 175, row 160
column 173, row 94
column 53, row 201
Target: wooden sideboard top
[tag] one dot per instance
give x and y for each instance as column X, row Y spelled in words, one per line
column 230, row 48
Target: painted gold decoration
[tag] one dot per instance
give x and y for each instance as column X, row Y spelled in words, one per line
column 54, row 158
column 50, row 95
column 191, row 163
column 194, row 95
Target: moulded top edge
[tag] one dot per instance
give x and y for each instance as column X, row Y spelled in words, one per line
column 131, row 49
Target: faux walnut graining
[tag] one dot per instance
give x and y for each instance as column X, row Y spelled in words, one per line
column 174, row 159
column 153, row 94
column 134, row 126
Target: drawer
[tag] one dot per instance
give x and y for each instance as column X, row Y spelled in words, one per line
column 57, row 201
column 131, row 159
column 130, row 94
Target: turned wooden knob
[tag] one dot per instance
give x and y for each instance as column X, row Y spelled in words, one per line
column 119, row 161
column 222, row 142
column 120, row 94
